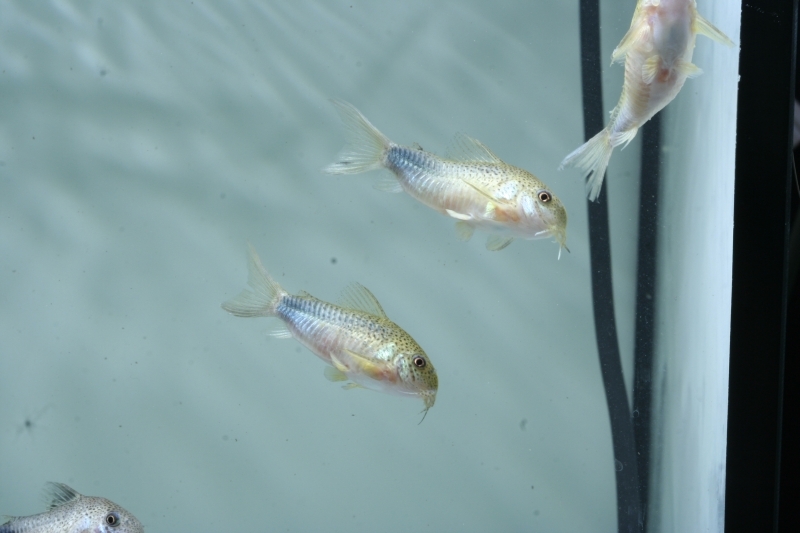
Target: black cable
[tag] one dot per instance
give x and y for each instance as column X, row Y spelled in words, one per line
column 643, row 351
column 628, row 506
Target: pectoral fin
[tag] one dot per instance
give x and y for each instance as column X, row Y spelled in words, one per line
column 492, row 201
column 364, row 365
column 704, row 27
column 634, row 35
column 459, row 216
column 338, row 365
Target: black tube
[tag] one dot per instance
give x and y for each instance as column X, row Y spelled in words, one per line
column 646, row 270
column 760, row 264
column 628, row 506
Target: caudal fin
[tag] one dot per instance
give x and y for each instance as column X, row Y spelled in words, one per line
column 265, row 295
column 365, row 144
column 592, row 157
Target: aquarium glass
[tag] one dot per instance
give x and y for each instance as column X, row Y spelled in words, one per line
column 143, row 145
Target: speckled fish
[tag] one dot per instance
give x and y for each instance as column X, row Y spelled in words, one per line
column 70, row 512
column 355, row 338
column 658, row 59
column 475, row 187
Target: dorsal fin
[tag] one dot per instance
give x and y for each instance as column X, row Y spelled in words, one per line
column 468, row 150
column 356, row 296
column 58, row 494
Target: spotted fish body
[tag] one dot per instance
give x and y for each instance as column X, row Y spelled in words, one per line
column 657, row 51
column 356, row 338
column 71, row 512
column 474, row 186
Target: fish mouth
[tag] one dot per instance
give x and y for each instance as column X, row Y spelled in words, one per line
column 558, row 233
column 429, row 400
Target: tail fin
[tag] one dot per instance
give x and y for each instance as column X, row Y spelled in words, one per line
column 267, row 293
column 365, row 144
column 592, row 157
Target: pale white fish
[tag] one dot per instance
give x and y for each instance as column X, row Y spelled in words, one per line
column 473, row 186
column 355, row 338
column 658, row 59
column 71, row 512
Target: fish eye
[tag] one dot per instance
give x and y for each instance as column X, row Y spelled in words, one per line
column 112, row 519
column 544, row 196
column 419, row 362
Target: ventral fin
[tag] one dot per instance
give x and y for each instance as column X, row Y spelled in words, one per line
column 468, row 150
column 351, row 386
column 356, row 296
column 388, row 185
column 464, row 230
column 495, row 243
column 58, row 494
column 334, row 374
column 650, row 69
column 704, row 27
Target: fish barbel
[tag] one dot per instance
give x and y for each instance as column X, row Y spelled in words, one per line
column 475, row 187
column 658, row 59
column 71, row 512
column 355, row 338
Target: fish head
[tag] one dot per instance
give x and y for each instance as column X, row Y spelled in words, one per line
column 417, row 376
column 543, row 209
column 107, row 517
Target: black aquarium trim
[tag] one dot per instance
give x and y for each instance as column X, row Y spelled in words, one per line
column 628, row 505
column 760, row 264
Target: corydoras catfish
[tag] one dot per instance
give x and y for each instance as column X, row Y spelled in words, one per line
column 355, row 338
column 71, row 512
column 658, row 59
column 473, row 186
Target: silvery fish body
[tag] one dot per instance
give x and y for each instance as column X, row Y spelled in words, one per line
column 473, row 186
column 71, row 512
column 355, row 338
column 658, row 52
